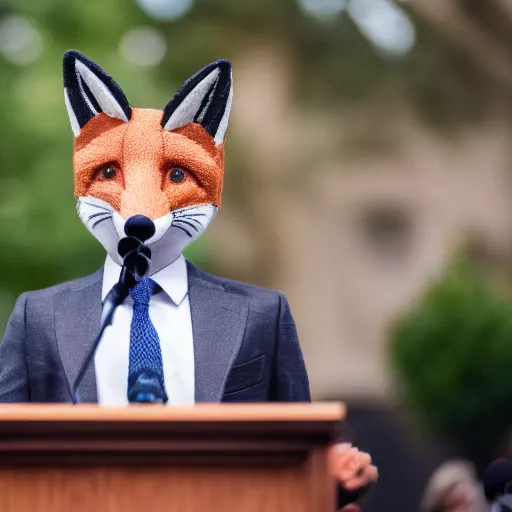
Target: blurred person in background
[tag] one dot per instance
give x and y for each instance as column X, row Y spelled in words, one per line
column 454, row 488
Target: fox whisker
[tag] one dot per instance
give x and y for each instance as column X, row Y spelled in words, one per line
column 183, row 210
column 98, row 207
column 182, row 229
column 187, row 223
column 101, row 220
column 192, row 215
column 190, row 219
column 97, row 215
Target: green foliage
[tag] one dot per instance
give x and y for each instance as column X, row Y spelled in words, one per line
column 452, row 355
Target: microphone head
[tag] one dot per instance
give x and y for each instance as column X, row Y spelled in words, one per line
column 497, row 479
column 140, row 227
column 127, row 245
column 136, row 258
column 137, row 264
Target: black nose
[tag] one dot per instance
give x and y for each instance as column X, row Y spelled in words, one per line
column 140, row 227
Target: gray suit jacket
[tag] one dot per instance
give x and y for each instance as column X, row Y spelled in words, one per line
column 245, row 343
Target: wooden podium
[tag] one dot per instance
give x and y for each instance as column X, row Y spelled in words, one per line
column 218, row 457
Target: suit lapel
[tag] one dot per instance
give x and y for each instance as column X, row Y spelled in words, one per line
column 218, row 322
column 77, row 317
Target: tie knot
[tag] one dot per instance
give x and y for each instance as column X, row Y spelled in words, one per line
column 143, row 291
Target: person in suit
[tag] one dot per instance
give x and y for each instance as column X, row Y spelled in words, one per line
column 181, row 336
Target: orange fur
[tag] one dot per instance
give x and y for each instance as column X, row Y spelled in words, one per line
column 143, row 154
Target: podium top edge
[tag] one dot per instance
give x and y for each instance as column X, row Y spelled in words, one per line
column 268, row 412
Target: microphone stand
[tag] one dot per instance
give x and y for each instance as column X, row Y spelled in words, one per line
column 131, row 274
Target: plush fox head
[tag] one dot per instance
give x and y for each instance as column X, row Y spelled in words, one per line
column 156, row 169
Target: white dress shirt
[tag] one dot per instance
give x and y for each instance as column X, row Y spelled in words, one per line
column 169, row 311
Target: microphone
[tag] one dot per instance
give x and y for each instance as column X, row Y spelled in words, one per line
column 136, row 260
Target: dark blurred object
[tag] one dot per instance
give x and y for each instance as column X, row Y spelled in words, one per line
column 454, row 487
column 452, row 359
column 497, row 479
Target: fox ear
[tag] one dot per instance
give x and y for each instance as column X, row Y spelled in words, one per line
column 88, row 90
column 205, row 98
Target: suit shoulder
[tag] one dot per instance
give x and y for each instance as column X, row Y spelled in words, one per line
column 250, row 290
column 75, row 284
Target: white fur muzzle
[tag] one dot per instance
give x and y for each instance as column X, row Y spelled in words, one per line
column 173, row 232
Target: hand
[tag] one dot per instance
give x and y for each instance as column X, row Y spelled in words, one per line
column 352, row 468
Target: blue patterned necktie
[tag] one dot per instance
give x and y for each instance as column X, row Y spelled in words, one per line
column 145, row 371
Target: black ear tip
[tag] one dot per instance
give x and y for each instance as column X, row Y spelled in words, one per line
column 68, row 66
column 223, row 64
column 68, row 62
column 71, row 55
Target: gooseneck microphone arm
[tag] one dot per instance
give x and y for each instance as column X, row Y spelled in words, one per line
column 114, row 299
column 136, row 259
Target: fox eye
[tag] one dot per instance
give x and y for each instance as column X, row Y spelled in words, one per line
column 109, row 172
column 177, row 175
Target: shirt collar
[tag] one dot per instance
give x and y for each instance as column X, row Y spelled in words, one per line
column 172, row 279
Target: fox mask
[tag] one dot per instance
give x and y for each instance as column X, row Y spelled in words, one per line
column 158, row 168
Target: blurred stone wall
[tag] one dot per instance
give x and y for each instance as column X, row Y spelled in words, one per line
column 351, row 215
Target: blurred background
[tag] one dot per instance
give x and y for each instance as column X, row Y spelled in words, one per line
column 368, row 176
